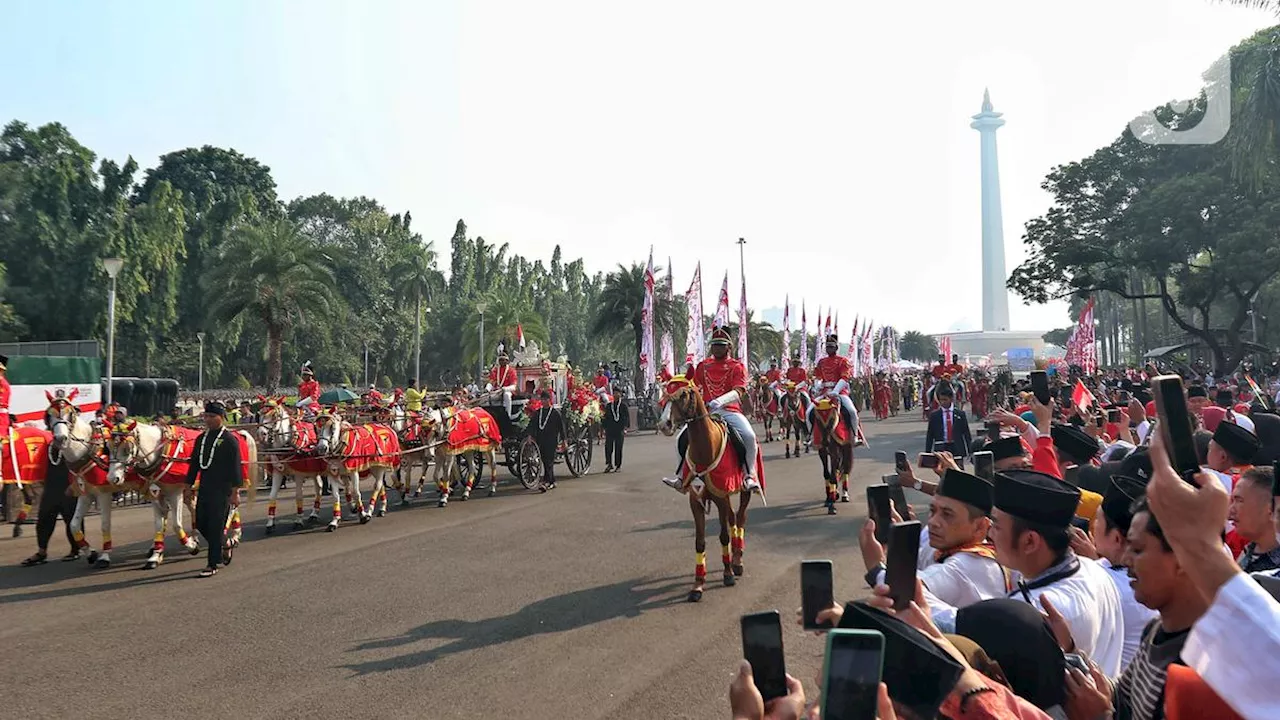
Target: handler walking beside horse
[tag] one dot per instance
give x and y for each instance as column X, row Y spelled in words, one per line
column 215, row 461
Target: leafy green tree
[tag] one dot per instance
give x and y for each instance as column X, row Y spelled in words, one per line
column 502, row 313
column 917, row 346
column 620, row 307
column 274, row 276
column 417, row 278
column 1059, row 336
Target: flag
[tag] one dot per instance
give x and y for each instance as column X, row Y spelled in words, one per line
column 855, row 358
column 743, row 323
column 786, row 331
column 694, row 339
column 668, row 342
column 1086, row 348
column 826, row 329
column 1081, row 397
column 647, row 370
column 868, row 351
column 722, row 304
column 817, row 341
column 835, row 327
column 804, row 337
column 519, row 336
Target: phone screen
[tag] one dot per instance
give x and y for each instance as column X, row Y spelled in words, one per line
column 1175, row 425
column 900, row 563
column 878, row 508
column 993, row 431
column 816, row 592
column 1113, row 415
column 762, row 647
column 900, row 461
column 854, row 661
column 1040, row 387
column 899, row 499
column 928, row 460
column 1081, row 523
column 984, row 465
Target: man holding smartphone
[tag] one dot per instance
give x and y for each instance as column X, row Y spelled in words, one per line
column 962, row 569
column 948, row 426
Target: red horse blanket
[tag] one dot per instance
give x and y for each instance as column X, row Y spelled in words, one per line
column 175, row 459
column 473, row 430
column 725, row 474
column 369, row 446
column 823, row 410
column 24, row 455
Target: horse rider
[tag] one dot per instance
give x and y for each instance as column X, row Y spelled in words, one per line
column 413, row 397
column 723, row 382
column 773, row 378
column 375, row 397
column 601, row 383
column 308, row 389
column 503, row 377
column 798, row 375
column 831, row 376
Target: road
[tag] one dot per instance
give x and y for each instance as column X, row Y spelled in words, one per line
column 569, row 604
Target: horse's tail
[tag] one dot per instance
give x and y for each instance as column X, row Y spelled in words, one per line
column 254, row 471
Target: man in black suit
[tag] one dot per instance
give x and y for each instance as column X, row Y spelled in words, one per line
column 948, row 426
column 616, row 420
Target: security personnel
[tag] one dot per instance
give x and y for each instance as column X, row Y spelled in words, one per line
column 215, row 460
column 616, row 421
column 547, row 428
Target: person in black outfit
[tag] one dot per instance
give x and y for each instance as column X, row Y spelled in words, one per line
column 54, row 502
column 547, row 428
column 216, row 460
column 616, row 421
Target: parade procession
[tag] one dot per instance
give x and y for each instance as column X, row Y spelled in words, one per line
column 493, row 360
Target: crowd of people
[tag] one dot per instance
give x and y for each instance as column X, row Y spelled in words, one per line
column 1073, row 573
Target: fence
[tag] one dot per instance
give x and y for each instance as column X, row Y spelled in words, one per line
column 56, row 348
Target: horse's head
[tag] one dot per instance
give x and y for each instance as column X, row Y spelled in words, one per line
column 124, row 448
column 329, row 427
column 826, row 415
column 681, row 402
column 59, row 417
column 275, row 427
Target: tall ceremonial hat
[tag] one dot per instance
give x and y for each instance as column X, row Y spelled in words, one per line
column 720, row 336
column 1074, row 443
column 967, row 488
column 1036, row 497
column 1239, row 443
column 1118, row 500
column 1005, row 448
column 832, row 340
column 214, row 407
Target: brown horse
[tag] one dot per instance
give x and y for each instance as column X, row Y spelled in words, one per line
column 712, row 474
column 792, row 425
column 835, row 448
column 766, row 406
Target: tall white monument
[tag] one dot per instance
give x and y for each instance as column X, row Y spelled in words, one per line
column 995, row 297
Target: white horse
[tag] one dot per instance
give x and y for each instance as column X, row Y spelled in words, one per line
column 282, row 437
column 339, row 443
column 79, row 444
column 155, row 459
column 479, row 429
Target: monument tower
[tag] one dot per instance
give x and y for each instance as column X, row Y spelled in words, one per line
column 995, row 297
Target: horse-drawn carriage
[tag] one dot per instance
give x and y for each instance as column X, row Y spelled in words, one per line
column 519, row 448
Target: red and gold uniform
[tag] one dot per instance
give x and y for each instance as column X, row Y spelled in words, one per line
column 600, row 381
column 375, row 397
column 978, row 398
column 880, row 399
column 832, row 369
column 773, row 376
column 6, row 394
column 718, row 377
column 798, row 375
column 309, row 389
column 502, row 376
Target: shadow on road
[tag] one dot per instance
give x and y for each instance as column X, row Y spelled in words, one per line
column 569, row 611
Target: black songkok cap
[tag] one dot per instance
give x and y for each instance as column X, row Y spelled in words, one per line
column 1118, row 500
column 1006, row 447
column 1014, row 634
column 1239, row 443
column 1074, row 443
column 213, row 407
column 968, row 489
column 1036, row 497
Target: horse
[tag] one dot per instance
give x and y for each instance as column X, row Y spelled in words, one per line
column 434, row 432
column 711, row 473
column 835, row 443
column 351, row 451
column 288, row 443
column 24, row 461
column 410, row 429
column 149, row 457
column 766, row 402
column 469, row 430
column 792, row 421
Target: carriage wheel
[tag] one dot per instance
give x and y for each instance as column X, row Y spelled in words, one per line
column 511, row 457
column 578, row 451
column 530, row 464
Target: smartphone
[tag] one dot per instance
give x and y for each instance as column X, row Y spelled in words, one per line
column 817, row 592
column 1175, row 425
column 984, row 465
column 1113, row 415
column 993, row 430
column 1013, row 402
column 762, row 647
column 900, row 461
column 878, row 508
column 1075, row 660
column 1081, row 523
column 851, row 674
column 900, row 563
column 1040, row 387
column 927, row 460
column 1101, row 421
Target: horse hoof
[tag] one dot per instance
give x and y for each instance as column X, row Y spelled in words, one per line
column 102, row 563
column 364, row 519
column 441, row 503
column 150, row 565
column 730, row 580
column 270, row 529
column 193, row 549
column 844, row 498
column 737, row 570
column 312, row 520
column 93, row 557
column 695, row 596
column 382, row 513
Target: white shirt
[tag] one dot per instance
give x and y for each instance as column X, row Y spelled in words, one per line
column 1240, row 633
column 1136, row 615
column 1090, row 603
column 961, row 580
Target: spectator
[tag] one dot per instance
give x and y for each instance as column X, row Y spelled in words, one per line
column 1252, row 510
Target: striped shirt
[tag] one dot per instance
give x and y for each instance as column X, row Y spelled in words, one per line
column 1139, row 693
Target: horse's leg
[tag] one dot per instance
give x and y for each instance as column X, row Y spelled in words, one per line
column 739, row 541
column 104, row 558
column 27, row 499
column 365, row 515
column 277, row 478
column 77, row 527
column 159, row 511
column 847, row 464
column 493, row 471
column 184, row 505
column 299, row 486
column 830, row 476
column 317, row 487
column 728, row 536
column 699, row 547
column 335, row 492
column 378, row 504
column 473, row 472
column 444, row 476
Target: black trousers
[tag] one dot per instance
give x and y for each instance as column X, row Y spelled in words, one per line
column 54, row 503
column 211, row 522
column 548, row 453
column 613, row 449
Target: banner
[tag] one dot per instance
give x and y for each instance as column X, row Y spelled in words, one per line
column 855, row 355
column 804, row 338
column 743, row 324
column 786, row 332
column 1086, row 347
column 722, row 304
column 868, row 351
column 668, row 343
column 694, row 339
column 647, row 370
column 30, row 376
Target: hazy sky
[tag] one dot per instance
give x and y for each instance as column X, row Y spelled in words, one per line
column 834, row 136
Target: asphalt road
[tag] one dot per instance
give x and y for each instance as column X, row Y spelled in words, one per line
column 569, row 604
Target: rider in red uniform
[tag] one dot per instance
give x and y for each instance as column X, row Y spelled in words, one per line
column 375, row 397
column 308, row 389
column 503, row 377
column 723, row 382
column 834, row 373
column 5, row 398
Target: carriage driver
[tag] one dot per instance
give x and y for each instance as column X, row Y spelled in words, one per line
column 308, row 389
column 503, row 377
column 831, row 376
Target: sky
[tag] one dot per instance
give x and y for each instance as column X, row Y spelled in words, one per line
column 833, row 136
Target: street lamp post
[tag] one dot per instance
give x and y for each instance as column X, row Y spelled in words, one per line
column 200, row 382
column 112, row 266
column 366, row 363
column 480, row 360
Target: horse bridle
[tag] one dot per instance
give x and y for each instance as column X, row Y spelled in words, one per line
column 687, row 414
column 64, row 418
column 268, row 427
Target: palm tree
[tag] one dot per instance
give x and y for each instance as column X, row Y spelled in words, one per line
column 913, row 345
column 414, row 276
column 764, row 341
column 1255, row 97
column 622, row 306
column 503, row 311
column 275, row 275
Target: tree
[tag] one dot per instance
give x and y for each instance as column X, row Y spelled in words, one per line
column 273, row 275
column 417, row 278
column 1058, row 337
column 502, row 313
column 621, row 306
column 917, row 346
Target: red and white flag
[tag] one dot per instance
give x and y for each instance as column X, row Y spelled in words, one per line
column 647, row 370
column 786, row 331
column 804, row 337
column 722, row 304
column 519, row 336
column 817, row 341
column 668, row 343
column 695, row 340
column 1086, row 348
column 743, row 322
column 1081, row 397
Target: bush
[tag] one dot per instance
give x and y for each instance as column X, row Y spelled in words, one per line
column 346, row 380
column 241, row 383
column 386, row 383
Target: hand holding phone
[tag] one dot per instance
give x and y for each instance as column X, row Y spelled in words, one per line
column 1040, row 387
column 984, row 465
column 762, row 647
column 900, row 563
column 927, row 460
column 900, row 461
column 1175, row 426
column 878, row 509
column 817, row 592
column 851, row 674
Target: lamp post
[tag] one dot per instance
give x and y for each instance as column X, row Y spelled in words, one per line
column 480, row 307
column 417, row 345
column 366, row 363
column 112, row 266
column 200, row 382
